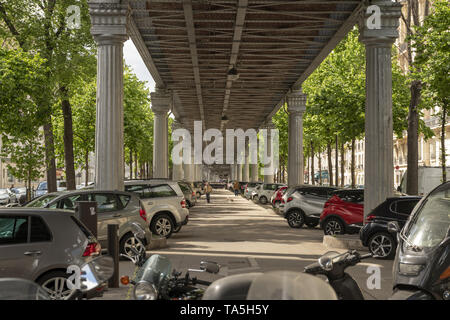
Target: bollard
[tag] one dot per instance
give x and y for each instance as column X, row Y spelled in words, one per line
column 113, row 251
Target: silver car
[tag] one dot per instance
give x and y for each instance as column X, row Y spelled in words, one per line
column 266, row 190
column 42, row 187
column 250, row 188
column 163, row 203
column 303, row 204
column 113, row 207
column 7, row 197
column 40, row 244
column 189, row 193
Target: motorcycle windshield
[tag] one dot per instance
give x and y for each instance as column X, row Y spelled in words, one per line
column 289, row 285
column 21, row 289
column 154, row 270
column 429, row 224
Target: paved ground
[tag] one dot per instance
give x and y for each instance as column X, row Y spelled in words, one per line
column 244, row 236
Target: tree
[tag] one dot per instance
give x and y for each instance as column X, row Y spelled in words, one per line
column 41, row 26
column 432, row 65
column 22, row 82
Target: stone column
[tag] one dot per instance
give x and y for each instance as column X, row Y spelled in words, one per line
column 177, row 172
column 268, row 149
column 379, row 162
column 239, row 172
column 161, row 100
column 246, row 173
column 296, row 107
column 108, row 20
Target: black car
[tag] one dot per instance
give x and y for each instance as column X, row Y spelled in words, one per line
column 375, row 234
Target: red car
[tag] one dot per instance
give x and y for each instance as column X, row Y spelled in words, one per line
column 277, row 196
column 343, row 212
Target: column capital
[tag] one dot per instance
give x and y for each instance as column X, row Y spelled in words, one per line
column 379, row 23
column 161, row 100
column 109, row 21
column 296, row 102
column 268, row 124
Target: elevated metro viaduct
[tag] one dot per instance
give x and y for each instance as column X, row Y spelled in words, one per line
column 189, row 48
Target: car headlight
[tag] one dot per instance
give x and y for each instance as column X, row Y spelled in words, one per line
column 145, row 291
column 410, row 269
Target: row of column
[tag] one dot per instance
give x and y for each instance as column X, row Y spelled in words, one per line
column 377, row 31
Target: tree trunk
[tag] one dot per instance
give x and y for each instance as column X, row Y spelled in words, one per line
column 135, row 165
column 352, row 170
column 412, row 182
column 312, row 164
column 50, row 156
column 68, row 140
column 86, row 166
column 308, row 166
column 330, row 165
column 319, row 155
column 131, row 164
column 342, row 164
column 443, row 160
column 336, row 162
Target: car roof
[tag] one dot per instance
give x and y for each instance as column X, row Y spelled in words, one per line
column 38, row 211
column 149, row 181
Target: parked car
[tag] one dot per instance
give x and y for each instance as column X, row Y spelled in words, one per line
column 343, row 212
column 40, row 244
column 163, row 204
column 243, row 185
column 375, row 235
column 250, row 189
column 199, row 188
column 7, row 197
column 303, row 204
column 118, row 207
column 266, row 190
column 188, row 192
column 21, row 194
column 275, row 200
column 42, row 187
column 428, row 178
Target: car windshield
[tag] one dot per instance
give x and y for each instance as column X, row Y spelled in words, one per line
column 42, row 186
column 41, row 202
column 155, row 270
column 429, row 225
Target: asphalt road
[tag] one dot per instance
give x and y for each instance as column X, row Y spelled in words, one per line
column 243, row 236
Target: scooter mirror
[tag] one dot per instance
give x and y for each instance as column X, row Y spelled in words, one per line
column 393, row 227
column 326, row 262
column 209, row 266
column 138, row 231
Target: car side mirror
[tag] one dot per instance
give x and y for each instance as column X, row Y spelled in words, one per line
column 393, row 227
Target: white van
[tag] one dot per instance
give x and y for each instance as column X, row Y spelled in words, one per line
column 429, row 178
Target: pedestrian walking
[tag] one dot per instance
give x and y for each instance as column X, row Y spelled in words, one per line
column 236, row 187
column 208, row 190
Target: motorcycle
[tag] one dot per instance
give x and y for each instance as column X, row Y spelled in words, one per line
column 156, row 280
column 421, row 267
column 93, row 274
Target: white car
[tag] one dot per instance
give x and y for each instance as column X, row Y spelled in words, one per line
column 162, row 203
column 42, row 187
column 266, row 190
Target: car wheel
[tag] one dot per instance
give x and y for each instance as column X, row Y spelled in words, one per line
column 54, row 284
column 162, row 225
column 382, row 245
column 263, row 200
column 333, row 226
column 295, row 218
column 312, row 224
column 177, row 229
column 128, row 242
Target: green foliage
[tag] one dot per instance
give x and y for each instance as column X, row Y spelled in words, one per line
column 432, row 63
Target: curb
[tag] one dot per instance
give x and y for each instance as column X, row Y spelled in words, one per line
column 343, row 242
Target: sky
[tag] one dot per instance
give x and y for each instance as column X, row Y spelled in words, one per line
column 134, row 60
